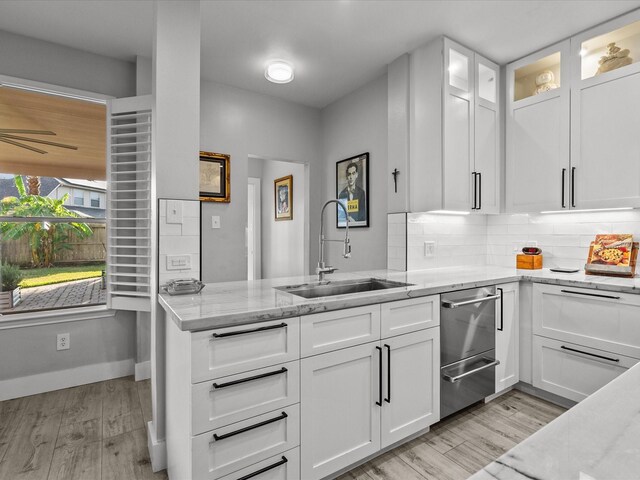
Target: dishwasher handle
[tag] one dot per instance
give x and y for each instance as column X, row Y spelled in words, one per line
column 450, row 304
column 492, row 363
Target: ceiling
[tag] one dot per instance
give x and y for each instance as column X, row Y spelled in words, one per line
column 336, row 46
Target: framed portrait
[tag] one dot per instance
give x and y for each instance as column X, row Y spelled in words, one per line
column 352, row 190
column 283, row 191
column 215, row 177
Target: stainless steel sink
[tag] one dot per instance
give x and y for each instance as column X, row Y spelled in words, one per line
column 330, row 288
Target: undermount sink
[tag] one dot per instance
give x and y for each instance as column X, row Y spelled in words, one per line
column 343, row 287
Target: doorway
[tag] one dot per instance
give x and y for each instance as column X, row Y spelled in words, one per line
column 254, row 270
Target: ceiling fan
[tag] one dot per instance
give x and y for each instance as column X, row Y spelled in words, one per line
column 16, row 137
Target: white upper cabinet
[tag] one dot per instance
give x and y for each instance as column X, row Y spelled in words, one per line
column 605, row 115
column 537, row 156
column 444, row 105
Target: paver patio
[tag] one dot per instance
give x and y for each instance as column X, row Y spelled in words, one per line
column 68, row 294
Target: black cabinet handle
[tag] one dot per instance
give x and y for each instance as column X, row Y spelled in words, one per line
column 379, row 402
column 250, row 427
column 248, row 379
column 242, row 332
column 265, row 469
column 564, row 171
column 573, row 186
column 479, row 191
column 388, row 399
column 613, row 297
column 501, row 310
column 590, row 354
column 473, row 190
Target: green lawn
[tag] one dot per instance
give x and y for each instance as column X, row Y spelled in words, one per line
column 37, row 277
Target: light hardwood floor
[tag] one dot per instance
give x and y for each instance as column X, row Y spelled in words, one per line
column 462, row 444
column 91, row 432
column 97, row 431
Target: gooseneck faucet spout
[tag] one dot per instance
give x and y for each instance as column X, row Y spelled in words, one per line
column 323, row 269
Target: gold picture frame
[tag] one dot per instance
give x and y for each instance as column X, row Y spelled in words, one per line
column 215, row 177
column 283, row 196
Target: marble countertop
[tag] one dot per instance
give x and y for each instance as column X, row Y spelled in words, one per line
column 598, row 439
column 236, row 303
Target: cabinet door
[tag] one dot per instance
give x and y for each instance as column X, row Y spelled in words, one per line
column 411, row 384
column 340, row 422
column 458, row 114
column 507, row 337
column 487, row 136
column 537, row 157
column 605, row 114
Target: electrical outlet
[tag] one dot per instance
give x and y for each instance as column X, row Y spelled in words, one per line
column 64, row 341
column 429, row 249
column 215, row 221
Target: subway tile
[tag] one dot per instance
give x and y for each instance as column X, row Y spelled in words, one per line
column 191, row 226
column 191, row 209
column 170, row 229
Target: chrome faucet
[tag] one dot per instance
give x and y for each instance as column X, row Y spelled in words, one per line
column 323, row 269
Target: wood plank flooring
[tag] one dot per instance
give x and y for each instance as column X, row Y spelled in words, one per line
column 90, row 432
column 97, row 432
column 464, row 443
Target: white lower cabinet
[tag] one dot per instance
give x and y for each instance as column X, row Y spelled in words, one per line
column 574, row 371
column 340, row 422
column 285, row 466
column 507, row 336
column 411, row 387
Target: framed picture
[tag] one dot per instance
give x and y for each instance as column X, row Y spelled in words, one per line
column 352, row 190
column 215, row 177
column 283, row 191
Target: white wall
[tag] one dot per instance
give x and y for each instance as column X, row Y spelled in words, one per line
column 37, row 60
column 242, row 123
column 355, row 124
column 282, row 246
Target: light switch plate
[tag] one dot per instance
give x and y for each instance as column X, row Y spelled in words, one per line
column 429, row 248
column 174, row 211
column 178, row 262
column 215, row 221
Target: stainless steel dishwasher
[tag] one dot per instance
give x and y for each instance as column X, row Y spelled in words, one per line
column 467, row 348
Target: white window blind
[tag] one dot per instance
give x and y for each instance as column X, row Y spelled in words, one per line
column 129, row 204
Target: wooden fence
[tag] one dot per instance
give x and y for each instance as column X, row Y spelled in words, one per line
column 82, row 250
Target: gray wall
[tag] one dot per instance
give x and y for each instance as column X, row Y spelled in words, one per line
column 40, row 61
column 242, row 123
column 355, row 124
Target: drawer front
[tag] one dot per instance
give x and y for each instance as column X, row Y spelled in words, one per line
column 325, row 332
column 245, row 443
column 595, row 318
column 409, row 315
column 285, row 466
column 574, row 372
column 227, row 351
column 237, row 397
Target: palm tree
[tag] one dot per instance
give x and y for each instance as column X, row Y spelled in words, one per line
column 33, row 184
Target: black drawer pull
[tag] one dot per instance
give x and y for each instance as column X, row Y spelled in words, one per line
column 379, row 402
column 265, row 469
column 248, row 379
column 501, row 310
column 251, row 427
column 613, row 297
column 242, row 332
column 388, row 399
column 591, row 354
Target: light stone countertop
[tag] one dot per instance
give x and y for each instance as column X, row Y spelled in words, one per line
column 236, row 303
column 598, row 439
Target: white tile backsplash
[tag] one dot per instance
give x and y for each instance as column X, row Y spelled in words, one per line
column 179, row 239
column 495, row 239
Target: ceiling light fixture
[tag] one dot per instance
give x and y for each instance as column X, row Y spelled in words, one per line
column 279, row 71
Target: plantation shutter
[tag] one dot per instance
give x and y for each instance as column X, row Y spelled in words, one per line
column 130, row 213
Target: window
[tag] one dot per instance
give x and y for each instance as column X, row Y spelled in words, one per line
column 78, row 197
column 57, row 260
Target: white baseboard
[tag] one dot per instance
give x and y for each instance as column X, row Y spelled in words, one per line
column 143, row 370
column 157, row 449
column 72, row 377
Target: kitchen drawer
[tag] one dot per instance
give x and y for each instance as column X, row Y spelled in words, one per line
column 238, row 397
column 410, row 315
column 558, row 368
column 285, row 466
column 328, row 331
column 247, row 443
column 227, row 351
column 595, row 318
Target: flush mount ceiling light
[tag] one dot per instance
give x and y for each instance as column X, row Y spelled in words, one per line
column 279, row 71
